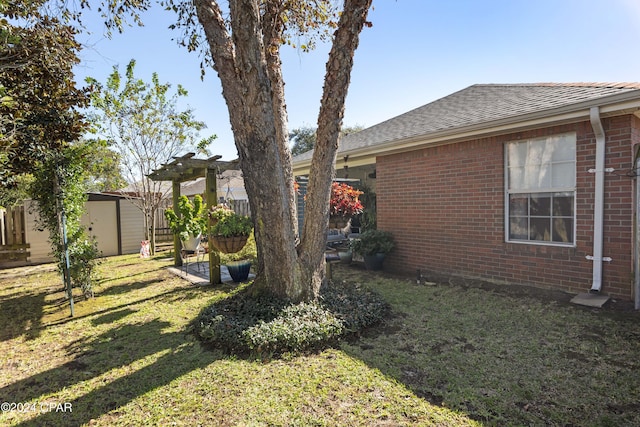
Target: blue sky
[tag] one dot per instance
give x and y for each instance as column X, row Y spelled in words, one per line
column 416, row 52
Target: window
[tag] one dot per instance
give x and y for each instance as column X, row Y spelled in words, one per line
column 540, row 196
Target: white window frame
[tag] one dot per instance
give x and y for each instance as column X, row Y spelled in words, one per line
column 569, row 188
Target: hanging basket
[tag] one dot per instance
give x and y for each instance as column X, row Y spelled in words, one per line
column 340, row 222
column 229, row 245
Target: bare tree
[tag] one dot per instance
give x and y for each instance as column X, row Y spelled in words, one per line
column 142, row 123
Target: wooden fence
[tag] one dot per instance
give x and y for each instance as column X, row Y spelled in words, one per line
column 14, row 249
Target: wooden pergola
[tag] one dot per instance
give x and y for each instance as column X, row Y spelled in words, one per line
column 187, row 168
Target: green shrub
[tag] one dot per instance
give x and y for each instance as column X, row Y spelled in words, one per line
column 223, row 322
column 372, row 242
column 228, row 223
column 83, row 263
column 249, row 252
column 191, row 221
column 264, row 324
column 297, row 328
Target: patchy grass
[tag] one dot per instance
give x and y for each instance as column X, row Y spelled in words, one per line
column 126, row 359
column 450, row 355
column 506, row 355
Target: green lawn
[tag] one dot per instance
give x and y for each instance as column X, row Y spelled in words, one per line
column 450, row 355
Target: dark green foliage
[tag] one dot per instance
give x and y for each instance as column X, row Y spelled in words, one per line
column 297, row 328
column 373, row 242
column 41, row 108
column 264, row 324
column 223, row 323
column 304, row 138
column 227, row 223
column 83, row 263
column 356, row 307
column 368, row 217
column 233, row 225
column 58, row 187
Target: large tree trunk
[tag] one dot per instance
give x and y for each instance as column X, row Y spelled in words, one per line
column 248, row 64
column 322, row 172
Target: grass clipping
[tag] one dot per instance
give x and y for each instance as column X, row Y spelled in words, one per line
column 265, row 325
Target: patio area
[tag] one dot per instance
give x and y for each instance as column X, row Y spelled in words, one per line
column 197, row 273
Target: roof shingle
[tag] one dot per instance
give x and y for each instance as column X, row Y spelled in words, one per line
column 478, row 104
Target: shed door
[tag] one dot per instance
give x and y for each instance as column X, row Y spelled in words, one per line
column 101, row 222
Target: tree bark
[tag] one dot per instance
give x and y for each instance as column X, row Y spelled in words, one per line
column 322, row 171
column 248, row 63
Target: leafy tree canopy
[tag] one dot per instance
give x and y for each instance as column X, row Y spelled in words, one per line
column 141, row 122
column 304, row 138
column 41, row 104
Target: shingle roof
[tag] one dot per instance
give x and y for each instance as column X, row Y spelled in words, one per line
column 478, row 104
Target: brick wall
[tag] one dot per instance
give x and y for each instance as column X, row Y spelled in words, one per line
column 445, row 207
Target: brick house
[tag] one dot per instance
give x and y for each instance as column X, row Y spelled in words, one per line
column 517, row 183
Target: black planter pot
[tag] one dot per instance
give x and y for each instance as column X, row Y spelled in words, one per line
column 374, row 262
column 239, row 270
column 345, row 257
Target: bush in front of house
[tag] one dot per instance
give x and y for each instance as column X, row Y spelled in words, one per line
column 266, row 325
column 297, row 328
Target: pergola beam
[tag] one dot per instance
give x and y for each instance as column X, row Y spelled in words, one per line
column 186, row 168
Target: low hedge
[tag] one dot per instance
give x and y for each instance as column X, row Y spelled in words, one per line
column 266, row 325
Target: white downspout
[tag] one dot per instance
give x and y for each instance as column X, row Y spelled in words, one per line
column 636, row 289
column 598, row 208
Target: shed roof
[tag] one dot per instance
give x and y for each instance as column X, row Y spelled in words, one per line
column 484, row 106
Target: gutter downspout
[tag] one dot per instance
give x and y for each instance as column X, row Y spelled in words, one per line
column 636, row 289
column 598, row 208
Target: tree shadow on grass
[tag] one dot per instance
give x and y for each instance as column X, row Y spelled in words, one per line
column 22, row 315
column 503, row 355
column 112, row 316
column 178, row 294
column 104, row 280
column 128, row 287
column 95, row 356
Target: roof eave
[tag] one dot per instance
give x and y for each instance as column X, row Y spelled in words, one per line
column 613, row 105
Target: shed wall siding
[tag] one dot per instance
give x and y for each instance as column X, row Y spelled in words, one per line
column 131, row 227
column 131, row 230
column 445, row 207
column 40, row 248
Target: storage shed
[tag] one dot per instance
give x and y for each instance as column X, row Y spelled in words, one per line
column 114, row 220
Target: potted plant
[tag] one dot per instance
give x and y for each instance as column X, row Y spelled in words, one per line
column 229, row 231
column 373, row 245
column 239, row 263
column 190, row 223
column 344, row 203
column 345, row 254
